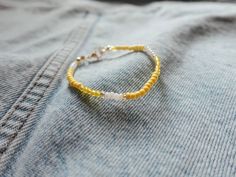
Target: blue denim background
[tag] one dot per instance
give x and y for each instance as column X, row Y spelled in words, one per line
column 185, row 126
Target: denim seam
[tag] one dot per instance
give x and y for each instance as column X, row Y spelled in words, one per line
column 10, row 130
column 42, row 70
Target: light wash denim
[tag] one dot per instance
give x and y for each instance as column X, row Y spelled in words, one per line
column 185, row 126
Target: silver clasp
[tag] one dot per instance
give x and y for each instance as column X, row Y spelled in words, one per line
column 95, row 55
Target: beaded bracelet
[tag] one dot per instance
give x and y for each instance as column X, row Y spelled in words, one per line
column 111, row 95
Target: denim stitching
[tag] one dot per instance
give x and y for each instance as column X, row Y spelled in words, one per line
column 16, row 108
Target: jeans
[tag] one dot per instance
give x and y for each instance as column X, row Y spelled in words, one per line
column 185, row 126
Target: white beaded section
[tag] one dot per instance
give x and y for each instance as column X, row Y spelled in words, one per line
column 74, row 64
column 150, row 53
column 112, row 96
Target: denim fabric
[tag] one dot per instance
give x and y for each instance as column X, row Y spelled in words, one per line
column 185, row 126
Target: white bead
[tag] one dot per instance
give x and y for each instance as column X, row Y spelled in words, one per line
column 74, row 65
column 113, row 96
column 150, row 53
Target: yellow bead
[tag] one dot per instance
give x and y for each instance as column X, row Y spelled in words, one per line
column 83, row 89
column 146, row 88
column 156, row 72
column 89, row 91
column 73, row 83
column 79, row 85
column 136, row 95
column 151, row 83
column 97, row 93
column 153, row 79
column 139, row 94
column 148, row 84
column 132, row 96
column 142, row 92
column 128, row 96
column 94, row 93
column 154, row 76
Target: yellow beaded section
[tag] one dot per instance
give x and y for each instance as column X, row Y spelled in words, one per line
column 136, row 48
column 110, row 95
column 79, row 86
column 148, row 85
